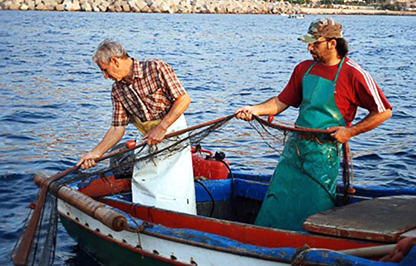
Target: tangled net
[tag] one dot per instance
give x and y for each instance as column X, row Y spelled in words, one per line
column 37, row 245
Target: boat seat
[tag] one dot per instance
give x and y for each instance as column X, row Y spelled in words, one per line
column 381, row 219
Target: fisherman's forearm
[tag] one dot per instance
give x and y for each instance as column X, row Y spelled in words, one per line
column 111, row 138
column 370, row 122
column 273, row 106
column 178, row 108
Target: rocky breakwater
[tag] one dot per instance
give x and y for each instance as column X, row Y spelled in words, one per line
column 155, row 6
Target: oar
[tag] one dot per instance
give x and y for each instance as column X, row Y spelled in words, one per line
column 24, row 248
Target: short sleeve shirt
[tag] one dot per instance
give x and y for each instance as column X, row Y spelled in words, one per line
column 355, row 88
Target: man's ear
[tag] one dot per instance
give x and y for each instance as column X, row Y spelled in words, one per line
column 332, row 44
column 116, row 62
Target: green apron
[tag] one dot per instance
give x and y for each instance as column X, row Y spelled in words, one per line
column 305, row 179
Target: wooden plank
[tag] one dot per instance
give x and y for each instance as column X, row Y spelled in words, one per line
column 382, row 219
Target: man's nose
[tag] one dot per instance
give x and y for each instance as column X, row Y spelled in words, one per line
column 310, row 46
column 105, row 76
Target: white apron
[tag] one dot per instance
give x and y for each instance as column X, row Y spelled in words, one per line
column 166, row 182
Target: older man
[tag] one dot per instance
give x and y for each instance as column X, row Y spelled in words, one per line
column 327, row 90
column 149, row 95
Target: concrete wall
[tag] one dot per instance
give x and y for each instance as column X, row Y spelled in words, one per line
column 155, row 6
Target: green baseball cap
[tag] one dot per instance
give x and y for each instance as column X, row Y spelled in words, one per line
column 327, row 28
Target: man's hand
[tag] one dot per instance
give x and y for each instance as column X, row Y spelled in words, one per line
column 155, row 136
column 270, row 107
column 88, row 160
column 370, row 122
column 245, row 113
column 341, row 134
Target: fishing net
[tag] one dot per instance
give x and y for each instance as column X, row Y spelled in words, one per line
column 43, row 244
column 39, row 247
column 124, row 161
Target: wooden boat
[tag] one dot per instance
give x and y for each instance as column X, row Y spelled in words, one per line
column 99, row 215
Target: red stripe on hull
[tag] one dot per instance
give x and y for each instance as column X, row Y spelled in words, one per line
column 248, row 234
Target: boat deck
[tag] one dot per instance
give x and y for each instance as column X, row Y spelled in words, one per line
column 382, row 219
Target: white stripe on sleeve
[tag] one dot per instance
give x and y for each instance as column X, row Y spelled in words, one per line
column 371, row 85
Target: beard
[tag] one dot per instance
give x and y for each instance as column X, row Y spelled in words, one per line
column 316, row 57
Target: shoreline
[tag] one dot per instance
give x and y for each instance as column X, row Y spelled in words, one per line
column 190, row 7
column 155, row 6
column 353, row 11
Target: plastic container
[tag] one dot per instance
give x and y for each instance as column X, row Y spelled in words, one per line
column 207, row 166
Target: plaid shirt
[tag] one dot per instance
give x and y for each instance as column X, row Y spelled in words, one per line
column 151, row 95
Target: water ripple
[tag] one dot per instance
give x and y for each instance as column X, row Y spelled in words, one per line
column 56, row 105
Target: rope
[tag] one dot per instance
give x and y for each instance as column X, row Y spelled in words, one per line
column 299, row 255
column 347, row 173
column 294, row 128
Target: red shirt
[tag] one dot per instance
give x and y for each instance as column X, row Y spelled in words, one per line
column 355, row 87
column 154, row 89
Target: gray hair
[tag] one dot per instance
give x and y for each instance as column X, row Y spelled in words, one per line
column 108, row 49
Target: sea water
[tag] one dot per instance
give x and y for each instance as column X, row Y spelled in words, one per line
column 55, row 104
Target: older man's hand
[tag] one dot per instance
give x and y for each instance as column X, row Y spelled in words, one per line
column 155, row 136
column 88, row 160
